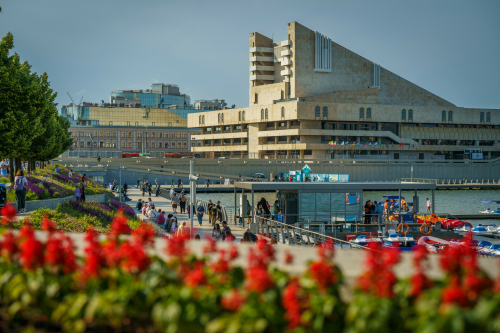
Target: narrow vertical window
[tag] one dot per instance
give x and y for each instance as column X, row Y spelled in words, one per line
column 368, row 113
column 481, row 117
column 325, row 111
column 267, row 114
column 316, row 111
column 361, row 112
column 403, row 114
column 443, row 116
column 218, row 118
column 239, row 116
column 410, row 114
column 243, row 115
column 203, row 119
column 222, row 117
column 199, row 120
column 262, row 114
column 282, row 111
column 450, row 115
column 488, row 117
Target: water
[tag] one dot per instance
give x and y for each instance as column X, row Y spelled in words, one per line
column 446, row 201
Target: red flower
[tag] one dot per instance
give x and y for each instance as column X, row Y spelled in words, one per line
column 8, row 247
column 291, row 302
column 258, row 279
column 47, row 224
column 232, row 301
column 419, row 281
column 59, row 253
column 8, row 212
column 31, row 251
column 266, row 251
column 210, row 245
column 454, row 294
column 288, row 258
column 221, row 265
column 379, row 279
column 233, row 252
column 93, row 253
column 176, row 246
column 326, row 250
column 322, row 272
column 134, row 259
column 112, row 253
column 196, row 277
column 144, row 235
column 119, row 225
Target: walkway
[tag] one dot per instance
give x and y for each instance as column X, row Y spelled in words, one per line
column 165, row 205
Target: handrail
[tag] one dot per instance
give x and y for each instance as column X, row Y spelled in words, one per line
column 297, row 232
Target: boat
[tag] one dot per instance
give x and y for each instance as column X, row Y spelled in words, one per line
column 405, row 243
column 488, row 210
column 363, row 240
column 434, row 244
column 482, row 231
column 448, row 224
column 492, row 250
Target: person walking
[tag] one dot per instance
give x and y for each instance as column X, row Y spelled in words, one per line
column 199, row 213
column 182, row 203
column 428, row 205
column 78, row 194
column 209, row 211
column 172, row 181
column 150, row 190
column 208, row 183
column 138, row 183
column 175, row 201
column 20, row 183
column 215, row 213
column 82, row 190
column 158, row 190
column 143, row 189
column 179, row 183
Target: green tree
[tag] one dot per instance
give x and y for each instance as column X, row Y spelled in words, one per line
column 27, row 108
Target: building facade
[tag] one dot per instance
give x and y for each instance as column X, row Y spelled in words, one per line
column 152, row 121
column 310, row 97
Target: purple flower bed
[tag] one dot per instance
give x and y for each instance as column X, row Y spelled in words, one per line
column 48, row 188
column 66, row 178
column 91, row 208
column 35, row 189
column 33, row 180
column 126, row 208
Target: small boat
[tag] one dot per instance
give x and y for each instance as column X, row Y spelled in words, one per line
column 363, row 240
column 487, row 209
column 405, row 243
column 482, row 231
column 492, row 250
column 434, row 244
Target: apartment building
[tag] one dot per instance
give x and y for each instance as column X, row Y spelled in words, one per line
column 309, row 97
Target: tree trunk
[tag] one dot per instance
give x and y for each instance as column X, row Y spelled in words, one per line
column 19, row 164
column 11, row 169
column 29, row 164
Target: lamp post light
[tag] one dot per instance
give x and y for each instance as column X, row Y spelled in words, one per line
column 146, row 133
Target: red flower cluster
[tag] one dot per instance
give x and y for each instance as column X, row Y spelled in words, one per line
column 31, row 249
column 322, row 270
column 326, row 250
column 288, row 258
column 59, row 249
column 119, row 225
column 144, row 235
column 176, row 246
column 211, row 245
column 196, row 277
column 467, row 280
column 94, row 257
column 379, row 278
column 292, row 304
column 419, row 281
column 222, row 264
column 257, row 275
column 233, row 300
column 8, row 213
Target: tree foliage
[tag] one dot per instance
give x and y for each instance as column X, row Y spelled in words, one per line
column 31, row 127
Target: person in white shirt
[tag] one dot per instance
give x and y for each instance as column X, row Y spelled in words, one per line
column 152, row 213
column 428, row 205
column 70, row 174
column 20, row 183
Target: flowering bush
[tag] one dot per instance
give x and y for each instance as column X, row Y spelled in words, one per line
column 117, row 286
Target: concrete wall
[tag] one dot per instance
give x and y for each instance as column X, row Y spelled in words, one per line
column 350, row 71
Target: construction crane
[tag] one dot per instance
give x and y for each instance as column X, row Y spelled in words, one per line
column 78, row 107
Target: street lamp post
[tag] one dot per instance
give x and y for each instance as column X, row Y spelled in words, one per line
column 146, row 133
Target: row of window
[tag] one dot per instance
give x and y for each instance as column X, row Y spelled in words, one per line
column 108, row 144
column 450, row 116
column 129, row 134
column 488, row 117
column 410, row 114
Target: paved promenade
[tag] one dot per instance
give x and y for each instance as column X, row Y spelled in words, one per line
column 166, row 206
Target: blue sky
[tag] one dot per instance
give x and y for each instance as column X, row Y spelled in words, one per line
column 89, row 48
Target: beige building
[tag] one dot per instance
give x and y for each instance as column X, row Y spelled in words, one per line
column 308, row 95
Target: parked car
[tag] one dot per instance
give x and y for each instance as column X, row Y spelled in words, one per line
column 258, row 175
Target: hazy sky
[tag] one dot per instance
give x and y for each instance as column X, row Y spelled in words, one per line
column 91, row 47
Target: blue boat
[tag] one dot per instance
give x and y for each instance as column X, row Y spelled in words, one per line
column 487, row 209
column 404, row 243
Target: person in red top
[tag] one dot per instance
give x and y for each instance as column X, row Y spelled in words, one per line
column 161, row 218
